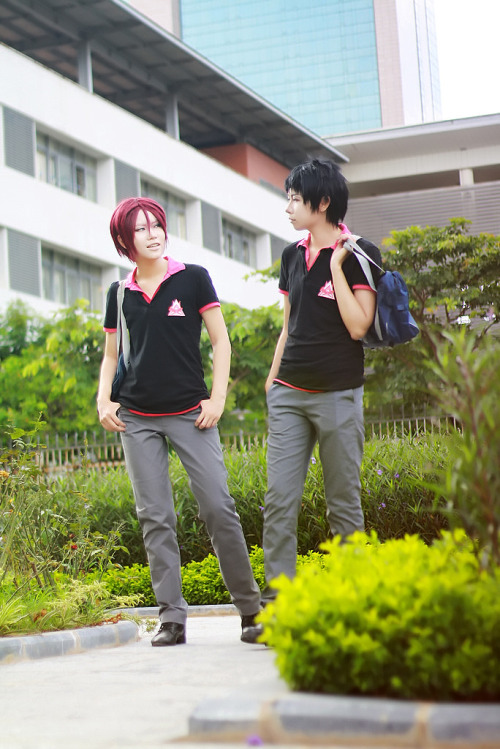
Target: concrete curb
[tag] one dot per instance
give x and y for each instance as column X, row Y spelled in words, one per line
column 151, row 612
column 70, row 641
column 308, row 719
column 67, row 642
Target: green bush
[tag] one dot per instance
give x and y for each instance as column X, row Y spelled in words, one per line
column 108, row 501
column 130, row 581
column 393, row 501
column 399, row 619
column 469, row 483
column 37, row 539
column 72, row 604
column 202, row 582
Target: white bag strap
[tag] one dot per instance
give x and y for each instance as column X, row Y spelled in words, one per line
column 121, row 325
column 363, row 258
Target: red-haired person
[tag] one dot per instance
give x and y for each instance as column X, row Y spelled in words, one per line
column 164, row 401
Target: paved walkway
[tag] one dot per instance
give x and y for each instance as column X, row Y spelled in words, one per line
column 214, row 687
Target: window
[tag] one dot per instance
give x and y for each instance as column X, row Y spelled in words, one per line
column 239, row 244
column 66, row 279
column 174, row 207
column 66, row 167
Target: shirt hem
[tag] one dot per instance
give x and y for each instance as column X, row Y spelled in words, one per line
column 169, row 413
column 295, row 387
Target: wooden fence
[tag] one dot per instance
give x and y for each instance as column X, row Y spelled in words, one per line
column 399, row 424
column 102, row 450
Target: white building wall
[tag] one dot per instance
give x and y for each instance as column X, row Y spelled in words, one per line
column 78, row 226
column 427, row 162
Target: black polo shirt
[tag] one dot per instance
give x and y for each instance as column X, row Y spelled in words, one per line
column 165, row 375
column 319, row 353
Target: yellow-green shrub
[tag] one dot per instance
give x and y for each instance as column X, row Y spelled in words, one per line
column 398, row 619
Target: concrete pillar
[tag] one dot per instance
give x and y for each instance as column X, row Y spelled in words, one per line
column 172, row 117
column 466, row 177
column 194, row 223
column 263, row 251
column 106, row 185
column 85, row 66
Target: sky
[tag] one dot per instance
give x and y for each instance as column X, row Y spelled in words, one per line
column 469, row 56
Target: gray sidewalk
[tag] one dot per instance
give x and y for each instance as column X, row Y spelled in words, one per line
column 213, row 688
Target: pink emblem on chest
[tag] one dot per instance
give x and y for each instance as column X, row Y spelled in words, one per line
column 327, row 291
column 175, row 309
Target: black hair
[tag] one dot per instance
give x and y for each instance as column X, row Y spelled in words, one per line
column 317, row 179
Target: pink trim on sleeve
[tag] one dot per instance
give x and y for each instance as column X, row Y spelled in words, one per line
column 282, row 291
column 208, row 306
column 109, row 330
column 362, row 286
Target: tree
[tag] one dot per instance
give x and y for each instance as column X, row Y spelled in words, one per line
column 54, row 376
column 454, row 279
column 253, row 334
column 50, row 368
column 18, row 328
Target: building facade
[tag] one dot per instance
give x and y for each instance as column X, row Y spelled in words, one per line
column 405, row 167
column 80, row 129
column 336, row 66
column 424, row 175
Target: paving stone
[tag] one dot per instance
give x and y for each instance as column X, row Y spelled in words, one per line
column 324, row 715
column 465, row 725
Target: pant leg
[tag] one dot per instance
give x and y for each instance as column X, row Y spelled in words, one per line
column 201, row 455
column 338, row 417
column 289, row 449
column 146, row 458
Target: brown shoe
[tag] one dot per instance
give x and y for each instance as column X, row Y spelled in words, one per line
column 170, row 633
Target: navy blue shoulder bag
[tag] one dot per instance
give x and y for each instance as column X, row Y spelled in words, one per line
column 393, row 322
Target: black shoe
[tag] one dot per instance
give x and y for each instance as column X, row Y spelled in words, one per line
column 250, row 630
column 170, row 633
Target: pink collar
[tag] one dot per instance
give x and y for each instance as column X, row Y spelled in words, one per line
column 307, row 241
column 174, row 266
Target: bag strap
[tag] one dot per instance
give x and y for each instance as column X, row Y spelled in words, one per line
column 363, row 258
column 122, row 333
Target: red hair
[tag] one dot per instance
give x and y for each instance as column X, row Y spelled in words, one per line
column 122, row 225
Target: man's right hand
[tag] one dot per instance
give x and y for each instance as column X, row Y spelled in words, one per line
column 108, row 416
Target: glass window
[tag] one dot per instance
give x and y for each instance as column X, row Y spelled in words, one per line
column 239, row 244
column 66, row 167
column 270, row 56
column 65, row 174
column 66, row 279
column 174, row 207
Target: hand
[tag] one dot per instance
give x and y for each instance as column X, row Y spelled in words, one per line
column 108, row 417
column 340, row 253
column 211, row 411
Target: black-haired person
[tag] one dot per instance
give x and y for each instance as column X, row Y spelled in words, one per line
column 315, row 384
column 164, row 399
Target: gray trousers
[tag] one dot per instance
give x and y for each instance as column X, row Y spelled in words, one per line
column 146, row 456
column 297, row 420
